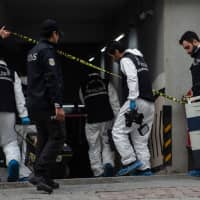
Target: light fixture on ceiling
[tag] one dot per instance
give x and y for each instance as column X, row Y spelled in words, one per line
column 116, row 39
column 91, row 59
column 120, row 37
column 144, row 14
column 103, row 49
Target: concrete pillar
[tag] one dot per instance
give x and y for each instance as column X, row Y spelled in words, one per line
column 102, row 64
column 179, row 16
column 117, row 81
column 169, row 65
column 133, row 38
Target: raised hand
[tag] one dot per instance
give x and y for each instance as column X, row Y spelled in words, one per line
column 4, row 33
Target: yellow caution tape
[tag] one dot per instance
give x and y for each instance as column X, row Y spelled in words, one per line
column 171, row 98
column 69, row 56
column 76, row 59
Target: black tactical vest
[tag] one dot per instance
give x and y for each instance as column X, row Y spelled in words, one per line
column 145, row 86
column 7, row 100
column 195, row 71
column 95, row 93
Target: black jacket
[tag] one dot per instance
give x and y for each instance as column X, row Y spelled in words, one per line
column 45, row 84
column 195, row 71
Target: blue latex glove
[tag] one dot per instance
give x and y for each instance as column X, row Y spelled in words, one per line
column 25, row 120
column 132, row 105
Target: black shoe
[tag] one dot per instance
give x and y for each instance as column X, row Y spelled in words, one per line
column 40, row 182
column 52, row 183
column 33, row 179
column 41, row 186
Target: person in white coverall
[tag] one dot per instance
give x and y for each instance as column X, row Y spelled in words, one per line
column 11, row 99
column 22, row 131
column 134, row 152
column 102, row 105
column 11, row 96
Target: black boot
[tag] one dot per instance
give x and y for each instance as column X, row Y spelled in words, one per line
column 52, row 183
column 33, row 179
column 40, row 182
column 44, row 187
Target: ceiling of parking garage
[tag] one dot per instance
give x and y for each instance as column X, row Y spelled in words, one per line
column 81, row 20
column 87, row 24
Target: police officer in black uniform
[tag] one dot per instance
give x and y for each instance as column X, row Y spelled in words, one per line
column 191, row 43
column 44, row 95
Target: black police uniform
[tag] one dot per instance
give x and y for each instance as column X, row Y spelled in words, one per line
column 195, row 71
column 44, row 91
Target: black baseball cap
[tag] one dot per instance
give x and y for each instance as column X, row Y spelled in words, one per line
column 48, row 26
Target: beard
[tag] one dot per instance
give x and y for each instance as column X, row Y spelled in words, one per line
column 194, row 51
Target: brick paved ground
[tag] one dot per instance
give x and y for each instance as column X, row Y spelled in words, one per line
column 124, row 188
column 153, row 193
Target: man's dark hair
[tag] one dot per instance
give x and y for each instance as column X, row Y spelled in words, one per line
column 46, row 34
column 114, row 45
column 189, row 36
column 48, row 27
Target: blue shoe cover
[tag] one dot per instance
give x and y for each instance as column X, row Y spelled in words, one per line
column 13, row 171
column 108, row 170
column 194, row 173
column 146, row 172
column 130, row 168
column 22, row 179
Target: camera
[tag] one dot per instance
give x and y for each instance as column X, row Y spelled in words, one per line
column 133, row 116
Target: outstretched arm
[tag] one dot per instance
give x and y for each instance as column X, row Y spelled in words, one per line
column 4, row 33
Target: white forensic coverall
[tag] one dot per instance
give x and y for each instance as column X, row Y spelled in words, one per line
column 23, row 130
column 120, row 132
column 100, row 152
column 8, row 136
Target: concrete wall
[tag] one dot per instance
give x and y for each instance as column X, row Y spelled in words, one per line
column 179, row 16
column 158, row 39
column 151, row 33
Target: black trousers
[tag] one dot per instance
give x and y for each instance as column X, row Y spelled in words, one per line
column 50, row 140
